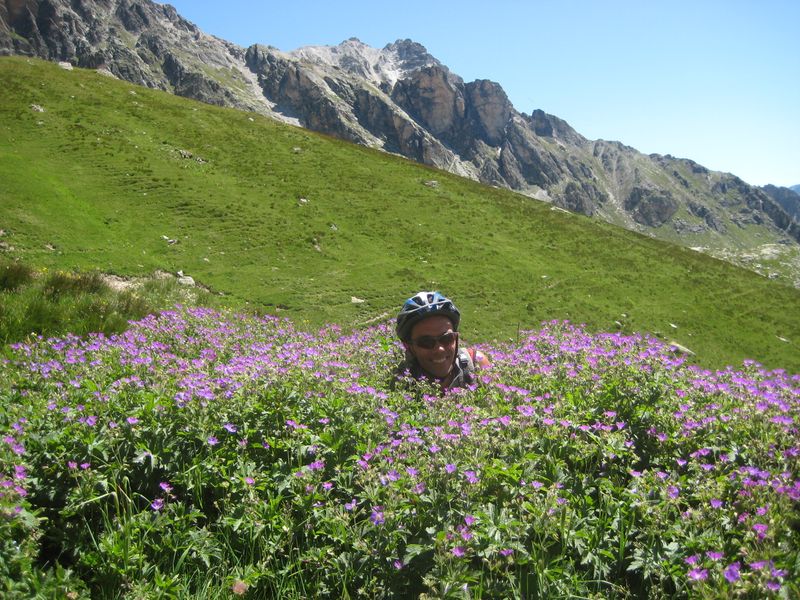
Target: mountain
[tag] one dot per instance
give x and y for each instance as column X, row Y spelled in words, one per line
column 795, row 188
column 100, row 174
column 403, row 100
column 788, row 198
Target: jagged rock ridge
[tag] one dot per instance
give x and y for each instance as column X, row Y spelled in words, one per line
column 403, row 100
column 788, row 198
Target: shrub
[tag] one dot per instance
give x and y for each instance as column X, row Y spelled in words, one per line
column 14, row 275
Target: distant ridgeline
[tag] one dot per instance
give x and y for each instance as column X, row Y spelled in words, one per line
column 403, row 100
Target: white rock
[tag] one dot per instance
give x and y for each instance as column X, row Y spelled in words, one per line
column 186, row 280
column 356, row 300
column 679, row 348
column 65, row 65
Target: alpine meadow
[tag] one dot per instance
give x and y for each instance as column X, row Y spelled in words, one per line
column 635, row 437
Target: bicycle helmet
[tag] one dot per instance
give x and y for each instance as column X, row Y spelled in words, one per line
column 421, row 306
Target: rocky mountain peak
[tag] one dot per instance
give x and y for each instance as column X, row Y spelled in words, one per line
column 381, row 67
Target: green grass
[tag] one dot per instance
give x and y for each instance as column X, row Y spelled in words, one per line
column 56, row 303
column 97, row 181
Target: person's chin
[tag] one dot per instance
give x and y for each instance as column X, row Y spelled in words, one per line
column 439, row 370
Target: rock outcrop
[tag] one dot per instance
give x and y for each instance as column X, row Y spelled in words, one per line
column 788, row 198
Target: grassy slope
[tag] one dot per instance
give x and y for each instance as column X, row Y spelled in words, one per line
column 99, row 176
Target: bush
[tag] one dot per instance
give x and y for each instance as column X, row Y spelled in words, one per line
column 14, row 275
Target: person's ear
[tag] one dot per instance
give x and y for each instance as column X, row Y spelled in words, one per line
column 409, row 348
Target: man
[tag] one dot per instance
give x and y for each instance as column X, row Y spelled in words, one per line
column 428, row 328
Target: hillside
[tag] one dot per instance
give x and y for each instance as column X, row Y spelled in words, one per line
column 97, row 173
column 403, row 100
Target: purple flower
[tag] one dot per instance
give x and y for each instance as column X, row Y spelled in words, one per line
column 212, row 441
column 471, row 476
column 317, row 465
column 230, row 427
column 458, row 551
column 691, row 560
column 673, row 491
column 377, row 516
column 698, row 574
column 165, row 486
column 157, row 504
column 715, row 503
column 732, row 572
column 249, row 480
column 398, row 564
column 469, row 520
column 72, row 464
column 351, row 505
column 773, row 586
column 506, row 552
column 132, row 420
column 761, row 530
column 450, row 468
column 715, row 555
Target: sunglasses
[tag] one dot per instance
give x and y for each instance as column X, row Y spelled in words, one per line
column 429, row 342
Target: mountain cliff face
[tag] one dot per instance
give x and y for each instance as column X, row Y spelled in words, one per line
column 788, row 198
column 402, row 100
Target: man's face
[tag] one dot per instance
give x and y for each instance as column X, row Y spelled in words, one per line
column 439, row 360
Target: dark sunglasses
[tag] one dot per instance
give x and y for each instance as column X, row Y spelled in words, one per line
column 429, row 342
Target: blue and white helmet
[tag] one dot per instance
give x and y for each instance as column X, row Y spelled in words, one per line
column 421, row 306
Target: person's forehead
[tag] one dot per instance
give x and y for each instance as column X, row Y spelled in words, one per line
column 434, row 325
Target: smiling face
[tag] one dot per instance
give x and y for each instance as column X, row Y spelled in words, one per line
column 437, row 361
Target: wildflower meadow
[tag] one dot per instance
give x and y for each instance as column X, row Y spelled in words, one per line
column 203, row 454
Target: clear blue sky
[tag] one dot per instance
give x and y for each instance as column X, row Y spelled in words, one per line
column 717, row 81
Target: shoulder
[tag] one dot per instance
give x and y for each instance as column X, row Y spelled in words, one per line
column 479, row 359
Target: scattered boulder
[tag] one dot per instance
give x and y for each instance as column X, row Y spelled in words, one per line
column 186, row 280
column 65, row 65
column 356, row 300
column 37, row 108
